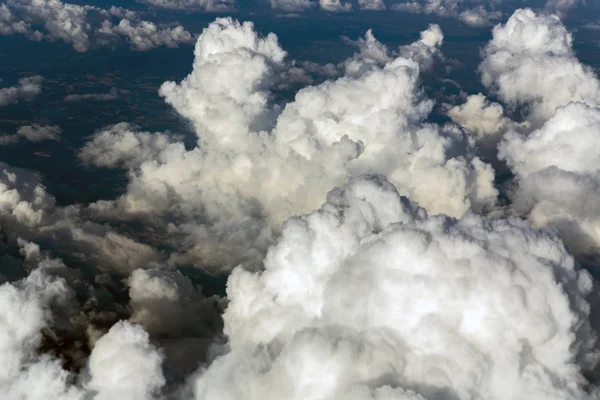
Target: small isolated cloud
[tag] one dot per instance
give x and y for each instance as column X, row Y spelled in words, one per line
column 27, row 89
column 335, row 5
column 32, row 133
column 36, row 133
column 113, row 94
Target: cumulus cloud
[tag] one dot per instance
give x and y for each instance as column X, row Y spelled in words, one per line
column 558, row 175
column 123, row 145
column 483, row 119
column 28, row 212
column 403, row 287
column 32, row 133
column 77, row 25
column 530, row 64
column 226, row 198
column 123, row 362
column 479, row 15
column 27, row 89
column 368, row 298
column 113, row 94
column 145, row 35
column 37, row 133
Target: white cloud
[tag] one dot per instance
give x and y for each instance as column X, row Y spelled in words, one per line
column 368, row 298
column 530, row 62
column 146, row 35
column 113, row 94
column 27, row 90
column 220, row 203
column 125, row 365
column 561, row 7
column 122, row 145
column 485, row 120
column 76, row 24
column 206, row 5
column 37, row 133
column 27, row 211
column 559, row 175
column 466, row 11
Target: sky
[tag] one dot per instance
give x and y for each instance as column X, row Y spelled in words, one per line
column 299, row 199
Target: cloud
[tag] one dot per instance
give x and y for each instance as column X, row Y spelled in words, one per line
column 123, row 145
column 146, row 35
column 334, row 5
column 368, row 298
column 32, row 133
column 530, row 63
column 205, row 5
column 473, row 15
column 220, row 203
column 375, row 5
column 27, row 90
column 485, row 120
column 561, row 7
column 80, row 26
column 415, row 286
column 11, row 25
column 28, row 212
column 113, row 94
column 292, row 5
column 558, row 175
column 123, row 362
column 36, row 133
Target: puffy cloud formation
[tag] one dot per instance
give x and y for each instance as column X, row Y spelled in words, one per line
column 32, row 133
column 531, row 66
column 37, row 133
column 368, row 298
column 334, row 5
column 77, row 25
column 11, row 25
column 113, row 94
column 406, row 287
column 27, row 211
column 27, row 89
column 146, row 35
column 228, row 196
column 123, row 363
column 123, row 145
column 530, row 63
column 478, row 15
column 485, row 120
column 559, row 175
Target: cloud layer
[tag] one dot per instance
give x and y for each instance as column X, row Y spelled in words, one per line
column 371, row 253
